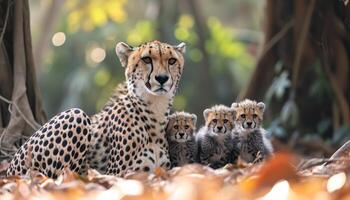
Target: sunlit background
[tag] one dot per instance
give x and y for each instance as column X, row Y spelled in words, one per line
column 78, row 67
column 74, row 51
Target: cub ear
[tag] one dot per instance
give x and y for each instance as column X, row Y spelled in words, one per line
column 206, row 113
column 172, row 116
column 233, row 112
column 194, row 118
column 234, row 105
column 123, row 51
column 181, row 47
column 261, row 106
column 170, row 121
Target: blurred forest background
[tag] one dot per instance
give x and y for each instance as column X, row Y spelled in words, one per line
column 74, row 47
column 293, row 55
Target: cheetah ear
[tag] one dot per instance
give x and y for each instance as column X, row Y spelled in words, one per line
column 123, row 51
column 181, row 47
column 194, row 118
column 206, row 113
column 261, row 106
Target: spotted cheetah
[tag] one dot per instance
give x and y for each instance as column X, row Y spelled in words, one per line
column 253, row 143
column 180, row 135
column 216, row 147
column 127, row 134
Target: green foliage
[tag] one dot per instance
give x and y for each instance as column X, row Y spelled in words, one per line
column 143, row 31
column 71, row 78
column 278, row 87
column 90, row 14
column 185, row 29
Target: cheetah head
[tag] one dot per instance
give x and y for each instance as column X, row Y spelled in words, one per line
column 154, row 68
column 219, row 119
column 181, row 126
column 249, row 114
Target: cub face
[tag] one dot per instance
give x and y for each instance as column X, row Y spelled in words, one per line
column 154, row 67
column 219, row 119
column 249, row 114
column 181, row 126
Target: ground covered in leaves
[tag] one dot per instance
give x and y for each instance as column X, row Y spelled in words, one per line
column 284, row 176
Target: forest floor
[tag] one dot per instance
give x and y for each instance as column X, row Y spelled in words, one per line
column 284, row 176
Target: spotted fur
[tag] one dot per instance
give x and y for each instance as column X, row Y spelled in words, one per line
column 216, row 147
column 253, row 143
column 63, row 142
column 180, row 135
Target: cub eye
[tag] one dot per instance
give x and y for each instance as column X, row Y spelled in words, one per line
column 255, row 115
column 176, row 127
column 225, row 121
column 243, row 116
column 147, row 60
column 187, row 126
column 171, row 61
column 215, row 120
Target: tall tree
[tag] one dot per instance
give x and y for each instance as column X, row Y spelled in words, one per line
column 21, row 111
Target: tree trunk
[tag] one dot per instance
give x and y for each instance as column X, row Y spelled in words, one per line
column 203, row 81
column 46, row 30
column 167, row 13
column 21, row 111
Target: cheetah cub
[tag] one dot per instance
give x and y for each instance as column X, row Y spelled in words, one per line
column 215, row 145
column 180, row 135
column 253, row 144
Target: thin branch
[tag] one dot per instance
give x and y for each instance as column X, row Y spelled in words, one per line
column 6, row 20
column 339, row 95
column 278, row 36
column 3, row 150
column 300, row 46
column 319, row 162
column 33, row 124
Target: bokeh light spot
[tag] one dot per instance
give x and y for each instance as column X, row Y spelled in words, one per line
column 58, row 39
column 279, row 191
column 97, row 55
column 336, row 182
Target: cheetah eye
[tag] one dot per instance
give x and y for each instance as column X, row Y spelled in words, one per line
column 187, row 126
column 255, row 116
column 147, row 60
column 215, row 120
column 176, row 127
column 171, row 61
column 243, row 116
column 225, row 121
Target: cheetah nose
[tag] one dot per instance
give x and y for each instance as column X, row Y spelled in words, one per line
column 219, row 128
column 181, row 134
column 249, row 124
column 162, row 79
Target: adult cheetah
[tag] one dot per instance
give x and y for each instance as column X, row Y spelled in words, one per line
column 129, row 132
